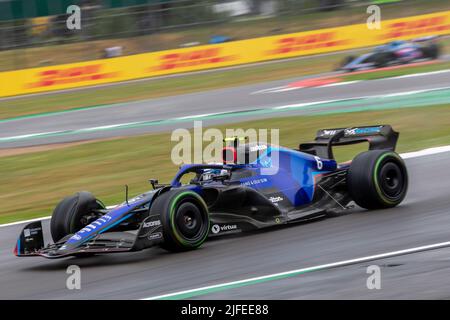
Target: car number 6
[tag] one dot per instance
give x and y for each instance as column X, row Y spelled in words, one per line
column 319, row 163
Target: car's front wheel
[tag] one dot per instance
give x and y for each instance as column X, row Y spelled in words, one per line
column 431, row 52
column 377, row 179
column 73, row 213
column 184, row 219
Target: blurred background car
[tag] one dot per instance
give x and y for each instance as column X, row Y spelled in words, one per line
column 34, row 33
column 394, row 53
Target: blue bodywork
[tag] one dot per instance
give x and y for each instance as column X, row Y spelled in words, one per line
column 289, row 171
column 260, row 186
column 400, row 52
column 292, row 174
column 117, row 215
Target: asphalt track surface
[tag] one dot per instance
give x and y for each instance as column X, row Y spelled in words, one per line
column 224, row 100
column 422, row 219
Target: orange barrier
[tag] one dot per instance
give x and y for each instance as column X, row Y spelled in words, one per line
column 219, row 55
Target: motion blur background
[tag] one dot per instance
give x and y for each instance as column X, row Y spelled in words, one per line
column 33, row 32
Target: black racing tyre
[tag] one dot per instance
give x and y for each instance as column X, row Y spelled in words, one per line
column 346, row 61
column 382, row 60
column 67, row 218
column 377, row 179
column 432, row 51
column 184, row 219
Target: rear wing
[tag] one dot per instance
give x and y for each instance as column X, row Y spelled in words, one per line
column 379, row 137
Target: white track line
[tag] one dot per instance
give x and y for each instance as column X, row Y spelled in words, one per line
column 309, row 103
column 425, row 152
column 338, row 84
column 118, row 125
column 412, row 75
column 287, row 88
column 314, row 268
column 30, row 135
column 196, row 116
column 24, row 221
column 108, row 126
column 267, row 90
column 399, row 94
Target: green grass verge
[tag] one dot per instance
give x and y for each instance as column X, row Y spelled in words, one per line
column 33, row 183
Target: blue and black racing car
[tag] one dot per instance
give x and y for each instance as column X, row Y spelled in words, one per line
column 394, row 53
column 257, row 186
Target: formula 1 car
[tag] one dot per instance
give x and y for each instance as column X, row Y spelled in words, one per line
column 258, row 185
column 394, row 53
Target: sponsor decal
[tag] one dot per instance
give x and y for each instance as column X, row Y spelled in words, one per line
column 428, row 25
column 152, row 224
column 265, row 161
column 192, row 58
column 352, row 131
column 154, row 236
column 329, row 132
column 307, row 42
column 362, row 131
column 258, row 148
column 68, row 75
column 31, row 232
column 215, row 228
column 276, row 199
column 76, row 237
column 91, row 227
column 254, row 182
column 225, row 227
column 228, row 227
column 96, row 224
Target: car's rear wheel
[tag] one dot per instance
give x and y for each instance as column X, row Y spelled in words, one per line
column 184, row 219
column 377, row 179
column 431, row 52
column 73, row 213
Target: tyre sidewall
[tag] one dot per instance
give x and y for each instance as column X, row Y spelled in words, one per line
column 167, row 205
column 68, row 213
column 363, row 179
column 383, row 159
